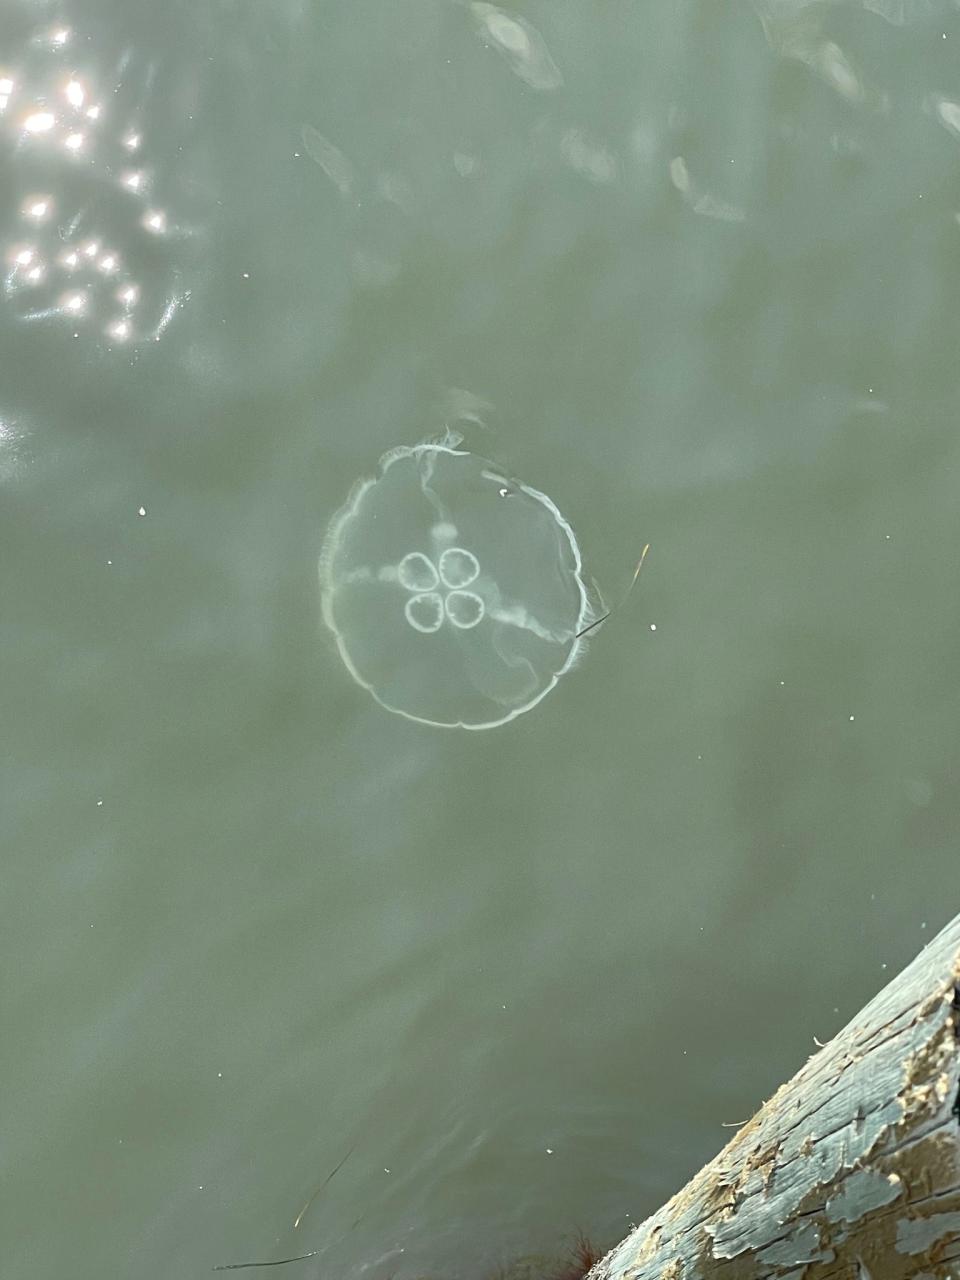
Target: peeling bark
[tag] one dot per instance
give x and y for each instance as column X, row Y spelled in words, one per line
column 851, row 1171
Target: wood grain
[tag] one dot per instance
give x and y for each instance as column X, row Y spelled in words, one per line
column 851, row 1171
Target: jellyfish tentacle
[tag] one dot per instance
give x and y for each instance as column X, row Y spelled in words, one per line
column 517, row 616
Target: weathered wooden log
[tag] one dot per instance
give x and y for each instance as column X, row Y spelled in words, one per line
column 851, row 1171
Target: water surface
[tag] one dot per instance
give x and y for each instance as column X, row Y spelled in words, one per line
column 691, row 271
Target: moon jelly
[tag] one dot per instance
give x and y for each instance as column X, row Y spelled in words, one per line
column 455, row 594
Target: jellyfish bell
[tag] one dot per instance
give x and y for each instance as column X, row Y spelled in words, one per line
column 456, row 596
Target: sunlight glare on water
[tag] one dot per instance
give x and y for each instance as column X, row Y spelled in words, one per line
column 521, row 45
column 89, row 240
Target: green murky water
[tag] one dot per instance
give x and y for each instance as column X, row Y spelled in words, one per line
column 691, row 271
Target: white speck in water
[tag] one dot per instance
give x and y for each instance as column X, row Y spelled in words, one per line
column 549, row 1151
column 99, row 804
column 851, row 717
column 653, row 626
column 142, row 511
column 386, row 1171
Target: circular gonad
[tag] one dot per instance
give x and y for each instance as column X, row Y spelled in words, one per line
column 456, row 595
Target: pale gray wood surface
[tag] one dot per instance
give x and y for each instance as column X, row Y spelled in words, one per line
column 851, row 1171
